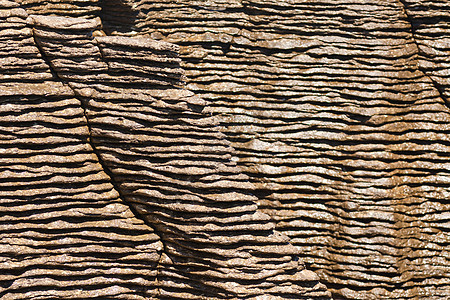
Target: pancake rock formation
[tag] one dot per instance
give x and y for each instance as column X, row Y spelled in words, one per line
column 241, row 149
column 115, row 184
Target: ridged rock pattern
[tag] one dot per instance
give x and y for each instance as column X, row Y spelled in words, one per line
column 64, row 231
column 116, row 184
column 336, row 111
column 67, row 8
column 431, row 31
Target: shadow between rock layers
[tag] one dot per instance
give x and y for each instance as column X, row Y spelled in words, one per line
column 168, row 216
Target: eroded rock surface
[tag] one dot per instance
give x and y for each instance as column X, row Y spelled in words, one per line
column 116, row 184
column 64, row 231
column 334, row 111
column 337, row 113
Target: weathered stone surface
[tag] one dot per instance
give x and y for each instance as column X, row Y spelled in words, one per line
column 64, row 231
column 431, row 31
column 69, row 8
column 334, row 113
column 162, row 154
column 115, row 164
column 337, row 112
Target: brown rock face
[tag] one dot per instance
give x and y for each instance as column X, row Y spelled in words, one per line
column 64, row 231
column 337, row 113
column 116, row 184
column 206, row 149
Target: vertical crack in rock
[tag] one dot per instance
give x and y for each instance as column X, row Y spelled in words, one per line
column 97, row 153
column 104, row 166
column 410, row 20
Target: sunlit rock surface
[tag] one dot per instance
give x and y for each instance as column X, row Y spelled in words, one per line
column 117, row 184
column 231, row 141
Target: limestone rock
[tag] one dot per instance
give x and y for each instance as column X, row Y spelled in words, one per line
column 337, row 111
column 116, row 184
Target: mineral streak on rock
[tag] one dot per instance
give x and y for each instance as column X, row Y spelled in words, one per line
column 115, row 183
column 337, row 113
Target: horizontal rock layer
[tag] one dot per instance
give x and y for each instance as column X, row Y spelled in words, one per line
column 68, row 8
column 336, row 111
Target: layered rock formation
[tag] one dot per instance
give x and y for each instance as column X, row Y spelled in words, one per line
column 67, row 8
column 337, row 112
column 64, row 231
column 116, row 183
column 430, row 29
column 337, row 118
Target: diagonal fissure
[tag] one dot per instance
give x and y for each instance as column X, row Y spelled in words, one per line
column 436, row 85
column 97, row 153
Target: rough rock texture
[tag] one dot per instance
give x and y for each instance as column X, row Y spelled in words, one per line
column 337, row 113
column 67, row 8
column 64, row 231
column 115, row 183
column 337, row 118
column 431, row 31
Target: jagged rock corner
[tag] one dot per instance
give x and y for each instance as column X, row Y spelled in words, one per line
column 239, row 149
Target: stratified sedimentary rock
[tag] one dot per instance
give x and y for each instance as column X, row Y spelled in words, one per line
column 116, row 184
column 66, row 8
column 64, row 231
column 331, row 117
column 337, row 112
column 430, row 29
